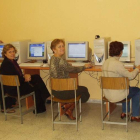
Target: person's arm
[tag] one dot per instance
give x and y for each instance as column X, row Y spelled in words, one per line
column 125, row 73
column 69, row 68
column 7, row 68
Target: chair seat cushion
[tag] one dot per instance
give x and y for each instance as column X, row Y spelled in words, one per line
column 124, row 100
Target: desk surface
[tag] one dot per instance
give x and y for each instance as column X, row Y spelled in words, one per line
column 94, row 68
column 36, row 70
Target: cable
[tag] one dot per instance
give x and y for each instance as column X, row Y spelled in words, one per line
column 137, row 80
column 44, row 71
column 93, row 75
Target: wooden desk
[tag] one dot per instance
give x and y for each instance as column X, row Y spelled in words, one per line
column 36, row 70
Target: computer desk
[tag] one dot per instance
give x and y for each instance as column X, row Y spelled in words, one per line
column 36, row 70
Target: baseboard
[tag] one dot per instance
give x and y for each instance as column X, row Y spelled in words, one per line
column 98, row 101
column 94, row 101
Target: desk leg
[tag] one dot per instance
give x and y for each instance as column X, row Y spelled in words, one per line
column 112, row 107
column 29, row 100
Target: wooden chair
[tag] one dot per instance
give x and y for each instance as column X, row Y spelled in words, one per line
column 12, row 80
column 61, row 85
column 114, row 83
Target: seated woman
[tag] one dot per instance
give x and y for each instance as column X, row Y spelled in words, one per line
column 28, row 83
column 112, row 67
column 9, row 102
column 60, row 68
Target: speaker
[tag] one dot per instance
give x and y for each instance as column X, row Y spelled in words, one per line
column 100, row 51
column 137, row 52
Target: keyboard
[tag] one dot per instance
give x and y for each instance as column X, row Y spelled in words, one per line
column 129, row 65
column 31, row 64
column 77, row 64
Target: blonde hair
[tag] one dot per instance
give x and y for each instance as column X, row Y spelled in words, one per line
column 55, row 42
column 6, row 48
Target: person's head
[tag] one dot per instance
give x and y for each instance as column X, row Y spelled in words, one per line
column 115, row 48
column 9, row 51
column 58, row 47
column 1, row 41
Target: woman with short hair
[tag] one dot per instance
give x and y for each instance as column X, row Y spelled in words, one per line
column 60, row 68
column 28, row 83
column 112, row 67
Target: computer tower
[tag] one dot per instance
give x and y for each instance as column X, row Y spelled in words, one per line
column 49, row 51
column 100, row 51
column 21, row 47
column 137, row 52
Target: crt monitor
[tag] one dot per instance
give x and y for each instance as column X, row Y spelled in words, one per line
column 77, row 51
column 36, row 51
column 1, row 48
column 126, row 51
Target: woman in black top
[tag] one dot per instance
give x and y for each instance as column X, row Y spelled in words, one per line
column 28, row 83
column 9, row 102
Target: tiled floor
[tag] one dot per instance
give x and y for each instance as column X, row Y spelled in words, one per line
column 40, row 127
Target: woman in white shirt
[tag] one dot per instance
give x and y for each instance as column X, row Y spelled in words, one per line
column 112, row 67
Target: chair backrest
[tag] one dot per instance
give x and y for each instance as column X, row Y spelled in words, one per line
column 114, row 83
column 10, row 80
column 63, row 84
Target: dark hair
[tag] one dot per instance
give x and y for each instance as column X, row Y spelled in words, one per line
column 55, row 42
column 6, row 48
column 115, row 48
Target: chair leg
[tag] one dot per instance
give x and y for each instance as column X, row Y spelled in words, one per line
column 5, row 113
column 35, row 104
column 76, row 116
column 20, row 110
column 108, row 111
column 80, row 110
column 52, row 115
column 59, row 111
column 102, row 113
column 130, row 110
column 126, row 121
column 126, row 116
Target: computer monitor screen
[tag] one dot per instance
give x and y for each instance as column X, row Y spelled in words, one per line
column 1, row 48
column 37, row 51
column 126, row 51
column 77, row 51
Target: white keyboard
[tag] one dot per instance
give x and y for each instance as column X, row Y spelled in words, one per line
column 129, row 65
column 78, row 64
column 31, row 64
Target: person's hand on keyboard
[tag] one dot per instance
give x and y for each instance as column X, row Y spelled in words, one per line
column 70, row 64
column 87, row 66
